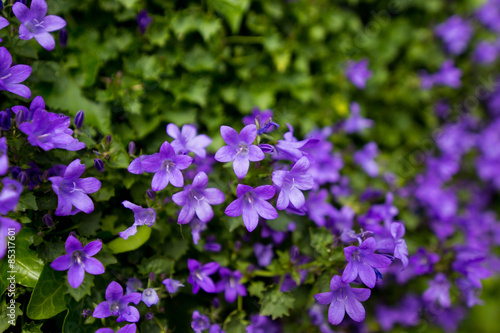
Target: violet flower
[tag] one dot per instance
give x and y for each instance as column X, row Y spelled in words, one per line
column 199, row 275
column 262, row 324
column 143, row 21
column 263, row 120
column 291, row 183
column 78, row 260
column 196, row 198
column 196, row 228
column 166, row 165
column 48, row 131
column 9, row 197
column 485, row 53
column 251, row 203
column 150, row 297
column 455, row 33
column 240, row 149
column 6, row 225
column 200, row 322
column 34, row 23
column 4, row 158
column 318, row 208
column 356, row 123
column 230, row 284
column 11, row 77
column 186, row 140
column 72, row 190
column 358, row 72
column 132, row 285
column 130, row 328
column 142, row 216
column 400, row 249
column 116, row 304
column 365, row 158
column 363, row 261
column 342, row 298
column 36, row 103
column 172, row 285
column 438, row 291
column 264, row 254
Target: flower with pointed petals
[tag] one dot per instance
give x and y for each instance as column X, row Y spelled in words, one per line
column 291, row 183
column 150, row 297
column 36, row 24
column 9, row 197
column 116, row 304
column 186, row 140
column 78, row 260
column 439, row 291
column 72, row 190
column 48, row 130
column 196, row 198
column 36, row 103
column 199, row 275
column 400, row 250
column 130, row 328
column 264, row 254
column 252, row 204
column 455, row 33
column 11, row 77
column 6, row 227
column 358, row 72
column 142, row 216
column 200, row 322
column 318, row 208
column 240, row 149
column 342, row 298
column 356, row 123
column 366, row 159
column 172, row 285
column 166, row 165
column 362, row 261
column 230, row 284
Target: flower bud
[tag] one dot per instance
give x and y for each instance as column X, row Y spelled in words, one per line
column 99, row 165
column 5, row 121
column 20, row 116
column 23, row 178
column 149, row 316
column 63, row 37
column 266, row 148
column 131, row 148
column 47, row 219
column 152, row 276
column 294, row 254
column 86, row 313
column 151, row 194
column 80, row 115
column 108, row 139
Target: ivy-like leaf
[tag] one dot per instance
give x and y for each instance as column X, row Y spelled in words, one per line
column 83, row 289
column 47, row 299
column 276, row 304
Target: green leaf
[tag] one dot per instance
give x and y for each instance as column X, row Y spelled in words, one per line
column 120, row 245
column 176, row 248
column 88, row 224
column 83, row 290
column 156, row 265
column 256, row 289
column 231, row 10
column 32, row 328
column 47, row 299
column 276, row 304
column 235, row 322
column 10, row 314
column 321, row 240
column 27, row 201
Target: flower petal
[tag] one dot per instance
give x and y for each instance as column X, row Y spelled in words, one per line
column 53, row 23
column 46, row 40
column 324, row 298
column 234, row 209
column 76, row 275
column 72, row 244
column 336, row 312
column 92, row 248
column 102, row 310
column 214, row 196
column 93, row 266
column 229, row 135
column 225, row 154
column 248, row 134
column 250, row 218
column 114, row 291
column 62, row 263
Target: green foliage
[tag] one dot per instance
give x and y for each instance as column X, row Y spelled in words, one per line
column 276, row 304
column 47, row 298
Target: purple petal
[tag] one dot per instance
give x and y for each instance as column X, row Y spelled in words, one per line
column 214, row 196
column 19, row 89
column 93, row 266
column 241, row 165
column 248, row 134
column 297, row 198
column 114, row 291
column 397, row 230
column 132, row 316
column 255, row 154
column 350, row 273
column 128, row 232
column 361, row 294
column 183, row 161
column 19, row 73
column 230, row 295
column 46, row 40
column 242, row 189
column 180, row 198
column 102, row 310
column 278, row 177
column 210, row 268
column 283, row 200
column 234, row 209
column 193, row 265
column 229, row 135
column 324, row 298
column 250, row 218
column 265, row 209
column 82, row 202
column 265, row 192
column 206, row 284
column 76, row 275
column 173, row 131
column 21, row 12
column 130, row 328
column 135, row 166
column 186, row 214
column 176, row 178
column 160, row 180
column 301, row 166
column 62, row 263
column 74, row 170
column 225, row 154
column 166, row 150
column 152, row 163
column 38, row 8
column 53, row 23
column 92, row 248
column 367, row 275
column 204, row 211
column 336, row 312
column 89, row 185
column 200, row 180
column 354, row 309
column 133, row 297
column 72, row 244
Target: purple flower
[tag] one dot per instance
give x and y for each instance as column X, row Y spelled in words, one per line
column 3, row 21
column 406, row 313
column 72, row 190
column 264, row 254
column 130, row 328
column 48, row 131
column 365, row 158
column 200, row 322
column 166, row 165
column 199, row 275
column 9, row 197
column 78, row 259
column 11, row 77
column 143, row 21
column 172, row 285
column 291, row 148
column 36, row 24
column 211, row 245
column 196, row 198
column 485, row 53
column 362, row 261
column 215, row 328
column 262, row 324
column 342, row 298
column 240, row 149
column 142, row 216
column 358, row 72
column 116, row 304
column 318, row 209
column 439, row 291
column 455, row 33
column 36, row 103
column 187, row 141
column 355, row 123
column 400, row 250
column 150, row 297
column 263, row 120
column 132, row 285
column 489, row 15
column 251, row 203
column 230, row 284
column 448, row 75
column 6, row 225
column 291, row 183
column 196, row 228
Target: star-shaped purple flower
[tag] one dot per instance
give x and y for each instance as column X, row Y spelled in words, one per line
column 9, row 197
column 356, row 123
column 240, row 149
column 187, row 141
column 230, row 284
column 252, row 204
column 72, row 190
column 291, row 183
column 36, row 103
column 358, row 72
column 199, row 276
column 362, row 261
column 366, row 159
column 116, row 304
column 36, row 24
column 78, row 259
column 200, row 322
column 166, row 165
column 439, row 291
column 172, row 285
column 11, row 77
column 196, row 198
column 7, row 224
column 142, row 216
column 455, row 33
column 342, row 298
